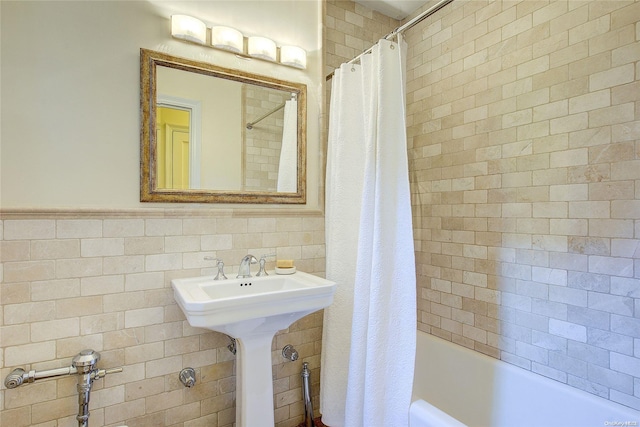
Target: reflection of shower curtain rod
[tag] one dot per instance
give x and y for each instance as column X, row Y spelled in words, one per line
column 250, row 124
column 433, row 9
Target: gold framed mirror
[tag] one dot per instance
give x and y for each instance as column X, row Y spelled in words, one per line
column 216, row 135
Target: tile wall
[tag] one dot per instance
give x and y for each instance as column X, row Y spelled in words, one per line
column 524, row 134
column 102, row 280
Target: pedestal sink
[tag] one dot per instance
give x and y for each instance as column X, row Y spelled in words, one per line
column 252, row 310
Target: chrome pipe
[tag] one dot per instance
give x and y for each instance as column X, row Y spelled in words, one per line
column 306, row 391
column 83, row 364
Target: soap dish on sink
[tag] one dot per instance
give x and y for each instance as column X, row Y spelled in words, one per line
column 290, row 270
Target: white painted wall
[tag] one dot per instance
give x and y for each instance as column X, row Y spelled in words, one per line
column 70, row 90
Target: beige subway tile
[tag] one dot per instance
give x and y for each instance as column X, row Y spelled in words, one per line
column 611, row 40
column 199, row 226
column 143, row 353
column 589, row 29
column 590, row 137
column 124, row 411
column 216, row 242
column 19, row 417
column 14, row 335
column 625, row 209
column 625, row 248
column 551, row 110
column 589, row 173
column 612, row 77
column 78, row 228
column 569, row 89
column 568, row 158
column 28, row 312
column 625, row 132
column 569, row 227
column 29, row 353
column 591, row 209
column 28, row 271
column 143, row 245
column 557, row 175
column 15, row 293
column 626, row 54
column 163, row 227
column 623, row 15
column 610, row 227
column 164, row 366
column 55, row 329
column 551, row 143
column 625, row 170
column 35, row 393
column 14, row 251
column 123, row 338
column 551, row 78
column 54, row 409
column 616, row 190
column 99, row 323
column 549, row 243
column 101, row 285
column 550, row 210
column 161, row 262
column 28, row 229
column 78, row 267
column 123, row 227
column 590, row 101
column 571, row 18
column 143, row 317
column 81, row 306
column 612, row 115
column 143, row 281
column 102, row 247
column 55, row 249
column 611, row 153
column 569, row 123
column 622, row 267
column 70, row 347
column 549, row 12
column 569, row 192
column 182, row 243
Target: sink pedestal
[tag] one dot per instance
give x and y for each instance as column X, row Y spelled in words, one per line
column 254, row 381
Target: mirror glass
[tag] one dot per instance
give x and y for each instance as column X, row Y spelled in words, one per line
column 211, row 134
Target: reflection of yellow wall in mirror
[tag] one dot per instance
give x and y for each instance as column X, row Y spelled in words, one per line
column 172, row 136
column 221, row 144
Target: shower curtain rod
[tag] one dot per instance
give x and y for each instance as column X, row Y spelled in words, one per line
column 433, row 9
column 250, row 124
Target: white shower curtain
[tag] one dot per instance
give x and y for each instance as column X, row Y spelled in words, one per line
column 288, row 165
column 370, row 329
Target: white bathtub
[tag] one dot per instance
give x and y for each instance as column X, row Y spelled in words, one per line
column 455, row 386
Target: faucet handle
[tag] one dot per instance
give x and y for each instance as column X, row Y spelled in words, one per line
column 220, row 265
column 263, row 262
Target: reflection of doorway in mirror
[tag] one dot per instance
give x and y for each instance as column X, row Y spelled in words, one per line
column 173, row 147
column 185, row 117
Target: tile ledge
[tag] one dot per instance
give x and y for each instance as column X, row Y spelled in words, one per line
column 201, row 212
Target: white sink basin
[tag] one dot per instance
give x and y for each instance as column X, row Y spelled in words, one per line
column 252, row 305
column 252, row 310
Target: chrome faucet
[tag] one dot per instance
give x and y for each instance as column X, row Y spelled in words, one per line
column 245, row 266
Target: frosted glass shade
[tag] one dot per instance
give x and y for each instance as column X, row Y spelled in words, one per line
column 227, row 38
column 262, row 47
column 294, row 56
column 188, row 28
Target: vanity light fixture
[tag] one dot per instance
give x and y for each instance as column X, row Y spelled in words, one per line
column 227, row 38
column 188, row 28
column 293, row 56
column 193, row 30
column 262, row 47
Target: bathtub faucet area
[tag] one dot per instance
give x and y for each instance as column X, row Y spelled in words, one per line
column 83, row 365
